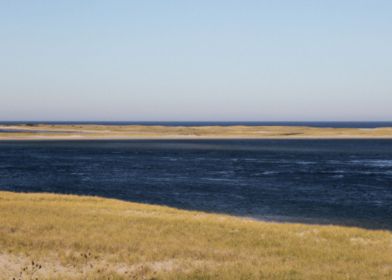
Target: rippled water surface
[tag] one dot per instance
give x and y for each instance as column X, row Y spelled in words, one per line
column 315, row 181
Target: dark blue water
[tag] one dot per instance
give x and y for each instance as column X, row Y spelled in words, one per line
column 314, row 181
column 249, row 123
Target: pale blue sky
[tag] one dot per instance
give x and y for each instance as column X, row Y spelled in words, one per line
column 196, row 60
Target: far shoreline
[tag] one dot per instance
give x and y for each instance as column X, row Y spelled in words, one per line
column 146, row 132
column 85, row 139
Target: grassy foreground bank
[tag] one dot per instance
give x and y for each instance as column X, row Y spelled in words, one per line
column 49, row 236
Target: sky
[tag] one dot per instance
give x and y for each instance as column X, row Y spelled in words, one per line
column 205, row 60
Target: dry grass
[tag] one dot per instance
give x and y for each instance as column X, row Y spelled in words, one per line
column 179, row 132
column 48, row 236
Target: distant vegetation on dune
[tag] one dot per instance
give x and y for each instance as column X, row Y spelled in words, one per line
column 48, row 236
column 45, row 131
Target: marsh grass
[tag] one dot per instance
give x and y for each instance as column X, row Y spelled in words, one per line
column 49, row 236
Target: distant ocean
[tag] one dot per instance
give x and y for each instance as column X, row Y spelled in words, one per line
column 205, row 123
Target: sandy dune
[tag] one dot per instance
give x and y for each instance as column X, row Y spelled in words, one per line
column 89, row 132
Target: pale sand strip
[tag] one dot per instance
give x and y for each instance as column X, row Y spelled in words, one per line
column 107, row 132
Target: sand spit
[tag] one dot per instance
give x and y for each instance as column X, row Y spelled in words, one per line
column 91, row 132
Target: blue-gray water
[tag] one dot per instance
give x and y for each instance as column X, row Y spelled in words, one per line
column 315, row 181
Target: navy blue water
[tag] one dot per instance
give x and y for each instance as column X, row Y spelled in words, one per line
column 227, row 123
column 314, row 181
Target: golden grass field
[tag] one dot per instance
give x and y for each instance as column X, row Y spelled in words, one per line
column 46, row 236
column 45, row 131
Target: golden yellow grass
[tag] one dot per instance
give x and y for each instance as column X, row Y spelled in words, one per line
column 169, row 132
column 49, row 236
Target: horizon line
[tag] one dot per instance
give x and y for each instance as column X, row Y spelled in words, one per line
column 194, row 121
